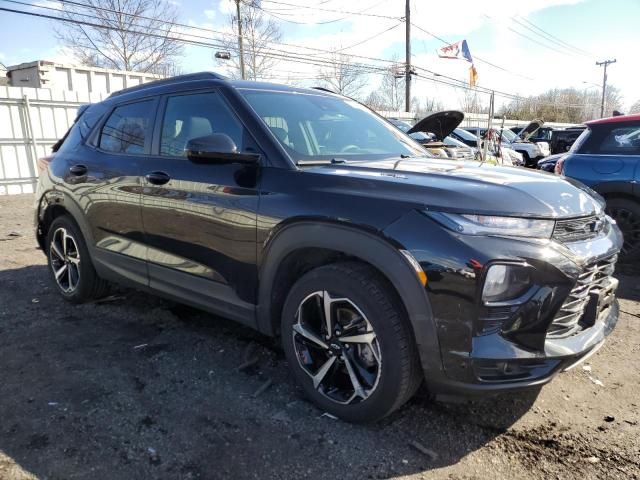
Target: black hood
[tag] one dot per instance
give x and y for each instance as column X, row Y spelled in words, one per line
column 466, row 187
column 530, row 129
column 441, row 124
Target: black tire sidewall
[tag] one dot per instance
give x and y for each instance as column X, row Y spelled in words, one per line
column 385, row 398
column 88, row 277
column 634, row 207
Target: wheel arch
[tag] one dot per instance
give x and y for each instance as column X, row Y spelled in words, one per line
column 330, row 242
column 53, row 204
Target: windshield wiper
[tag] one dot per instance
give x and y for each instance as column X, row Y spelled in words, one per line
column 333, row 161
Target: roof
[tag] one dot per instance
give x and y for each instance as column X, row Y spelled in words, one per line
column 618, row 119
column 192, row 79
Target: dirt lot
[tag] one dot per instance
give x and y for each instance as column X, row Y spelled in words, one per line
column 136, row 387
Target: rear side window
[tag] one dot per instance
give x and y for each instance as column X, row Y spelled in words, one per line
column 81, row 128
column 127, row 129
column 197, row 115
column 613, row 139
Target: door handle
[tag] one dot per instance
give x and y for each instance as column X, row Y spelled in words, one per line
column 157, row 178
column 78, row 170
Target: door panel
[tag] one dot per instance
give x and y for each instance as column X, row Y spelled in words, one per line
column 106, row 181
column 200, row 226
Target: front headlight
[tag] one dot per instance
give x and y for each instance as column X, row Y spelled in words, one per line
column 492, row 225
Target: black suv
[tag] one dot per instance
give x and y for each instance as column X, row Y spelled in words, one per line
column 306, row 216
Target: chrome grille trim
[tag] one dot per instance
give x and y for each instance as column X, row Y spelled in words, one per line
column 594, row 277
column 577, row 229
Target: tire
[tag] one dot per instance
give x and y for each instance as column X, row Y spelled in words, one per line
column 526, row 159
column 67, row 254
column 384, row 362
column 627, row 214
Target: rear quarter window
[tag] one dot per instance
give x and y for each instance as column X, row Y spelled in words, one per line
column 81, row 128
column 611, row 139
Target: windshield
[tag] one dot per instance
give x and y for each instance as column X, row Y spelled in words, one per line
column 470, row 137
column 452, row 142
column 509, row 136
column 320, row 127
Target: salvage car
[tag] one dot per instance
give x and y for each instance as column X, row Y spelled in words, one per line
column 308, row 217
column 531, row 152
column 441, row 146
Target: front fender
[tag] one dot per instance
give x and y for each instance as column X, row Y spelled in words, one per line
column 379, row 251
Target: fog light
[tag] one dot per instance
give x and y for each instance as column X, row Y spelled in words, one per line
column 505, row 282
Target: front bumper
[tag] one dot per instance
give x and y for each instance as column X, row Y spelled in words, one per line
column 520, row 351
column 521, row 369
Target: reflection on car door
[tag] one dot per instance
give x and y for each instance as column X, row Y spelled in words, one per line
column 112, row 199
column 200, row 218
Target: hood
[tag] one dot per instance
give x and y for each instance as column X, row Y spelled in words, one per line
column 441, row 124
column 530, row 129
column 464, row 187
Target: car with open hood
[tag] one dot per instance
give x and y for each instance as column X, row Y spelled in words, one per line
column 306, row 216
column 434, row 133
column 531, row 152
column 535, row 132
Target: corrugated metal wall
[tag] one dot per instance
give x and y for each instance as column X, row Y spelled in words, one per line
column 31, row 121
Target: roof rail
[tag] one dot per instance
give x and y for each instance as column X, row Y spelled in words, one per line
column 168, row 81
column 324, row 89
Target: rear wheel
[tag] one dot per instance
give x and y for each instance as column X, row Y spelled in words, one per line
column 626, row 213
column 349, row 343
column 69, row 263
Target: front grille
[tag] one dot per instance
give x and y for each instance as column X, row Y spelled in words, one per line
column 569, row 319
column 577, row 229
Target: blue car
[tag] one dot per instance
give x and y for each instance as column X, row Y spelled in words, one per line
column 606, row 157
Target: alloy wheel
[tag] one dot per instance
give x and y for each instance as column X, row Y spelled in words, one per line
column 64, row 257
column 337, row 347
column 629, row 224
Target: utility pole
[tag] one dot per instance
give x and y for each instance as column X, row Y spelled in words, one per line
column 240, row 46
column 407, row 66
column 604, row 64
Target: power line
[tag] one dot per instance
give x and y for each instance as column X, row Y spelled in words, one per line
column 361, row 13
column 269, row 12
column 482, row 60
column 274, row 53
column 556, row 38
column 570, row 50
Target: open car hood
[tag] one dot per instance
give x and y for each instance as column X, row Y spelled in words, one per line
column 441, row 124
column 530, row 129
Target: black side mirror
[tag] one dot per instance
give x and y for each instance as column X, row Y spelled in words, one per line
column 218, row 148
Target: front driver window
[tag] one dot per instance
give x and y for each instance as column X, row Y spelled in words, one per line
column 197, row 115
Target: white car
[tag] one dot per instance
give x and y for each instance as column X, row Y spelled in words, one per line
column 531, row 152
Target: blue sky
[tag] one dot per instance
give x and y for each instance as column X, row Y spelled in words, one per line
column 604, row 28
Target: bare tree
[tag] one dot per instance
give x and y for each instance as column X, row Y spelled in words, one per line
column 635, row 108
column 137, row 35
column 470, row 102
column 258, row 33
column 427, row 106
column 564, row 105
column 343, row 76
column 375, row 101
column 392, row 86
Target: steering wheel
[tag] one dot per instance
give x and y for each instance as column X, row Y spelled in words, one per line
column 348, row 148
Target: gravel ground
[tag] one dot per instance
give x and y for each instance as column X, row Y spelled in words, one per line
column 136, row 387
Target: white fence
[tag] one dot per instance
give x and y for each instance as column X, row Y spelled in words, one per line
column 31, row 121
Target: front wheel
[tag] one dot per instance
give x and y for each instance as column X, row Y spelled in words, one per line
column 349, row 343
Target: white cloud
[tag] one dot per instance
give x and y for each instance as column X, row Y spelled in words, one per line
column 210, row 14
